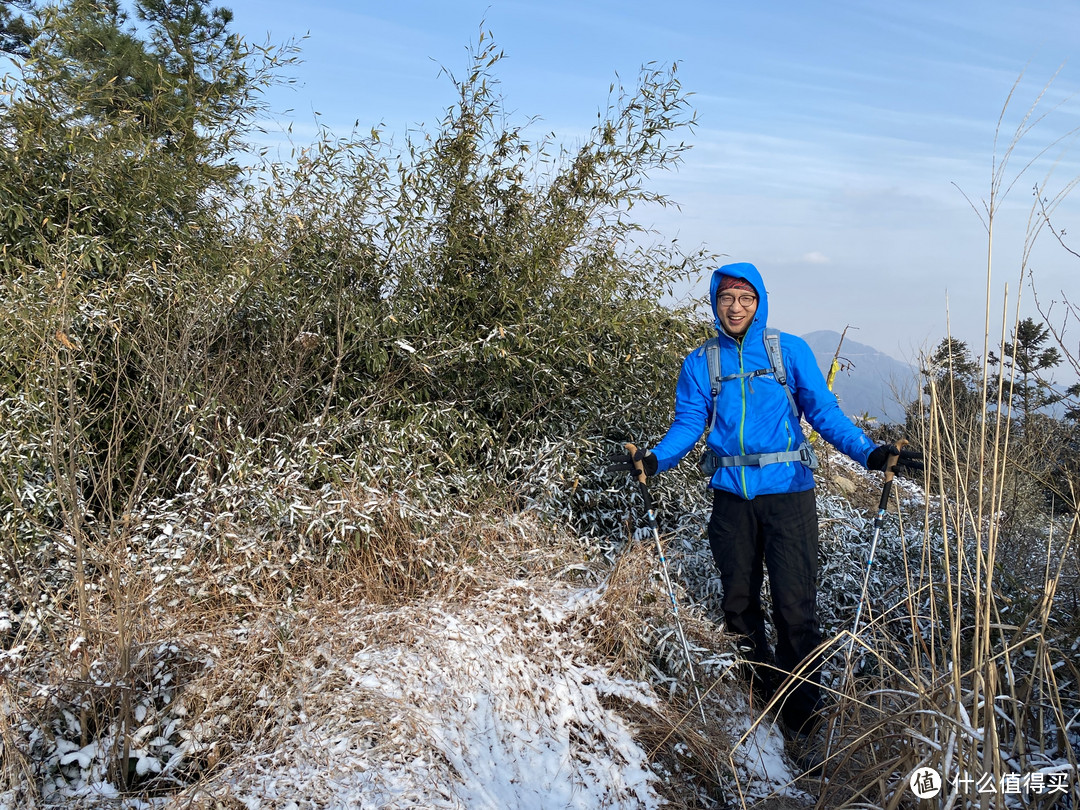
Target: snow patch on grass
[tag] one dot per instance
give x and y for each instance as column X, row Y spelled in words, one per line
column 493, row 704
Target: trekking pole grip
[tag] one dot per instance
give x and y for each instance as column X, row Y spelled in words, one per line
column 890, row 462
column 632, row 450
column 642, row 481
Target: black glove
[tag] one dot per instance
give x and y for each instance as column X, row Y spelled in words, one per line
column 624, row 462
column 910, row 462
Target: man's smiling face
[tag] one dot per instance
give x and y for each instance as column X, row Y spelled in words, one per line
column 736, row 309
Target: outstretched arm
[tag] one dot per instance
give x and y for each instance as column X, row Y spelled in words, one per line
column 819, row 404
column 691, row 413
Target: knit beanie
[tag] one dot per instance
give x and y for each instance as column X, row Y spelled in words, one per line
column 733, row 283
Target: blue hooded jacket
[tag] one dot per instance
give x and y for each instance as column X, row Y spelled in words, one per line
column 754, row 414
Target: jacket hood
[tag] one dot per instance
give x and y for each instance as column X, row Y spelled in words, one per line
column 747, row 272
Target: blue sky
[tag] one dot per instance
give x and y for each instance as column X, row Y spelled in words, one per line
column 835, row 146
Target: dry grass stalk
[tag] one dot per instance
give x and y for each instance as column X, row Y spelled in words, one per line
column 941, row 679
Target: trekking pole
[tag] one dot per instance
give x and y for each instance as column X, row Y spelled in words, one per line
column 879, row 520
column 651, row 513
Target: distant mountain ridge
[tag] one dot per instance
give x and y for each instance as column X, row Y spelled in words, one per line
column 869, row 381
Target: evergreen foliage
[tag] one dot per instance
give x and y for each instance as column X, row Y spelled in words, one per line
column 117, row 161
column 460, row 297
column 1024, row 362
column 16, row 32
column 952, row 368
column 488, row 282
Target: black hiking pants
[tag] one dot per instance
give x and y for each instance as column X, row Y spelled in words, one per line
column 778, row 533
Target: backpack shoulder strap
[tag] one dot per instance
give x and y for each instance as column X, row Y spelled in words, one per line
column 776, row 354
column 776, row 359
column 711, row 350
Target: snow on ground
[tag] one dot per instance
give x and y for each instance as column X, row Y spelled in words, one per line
column 493, row 704
column 497, row 703
column 761, row 768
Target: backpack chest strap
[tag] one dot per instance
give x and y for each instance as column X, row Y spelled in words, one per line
column 747, row 374
column 804, row 455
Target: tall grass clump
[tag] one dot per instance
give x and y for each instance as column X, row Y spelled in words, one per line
column 968, row 666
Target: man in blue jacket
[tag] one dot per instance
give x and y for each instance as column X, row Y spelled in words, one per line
column 764, row 514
